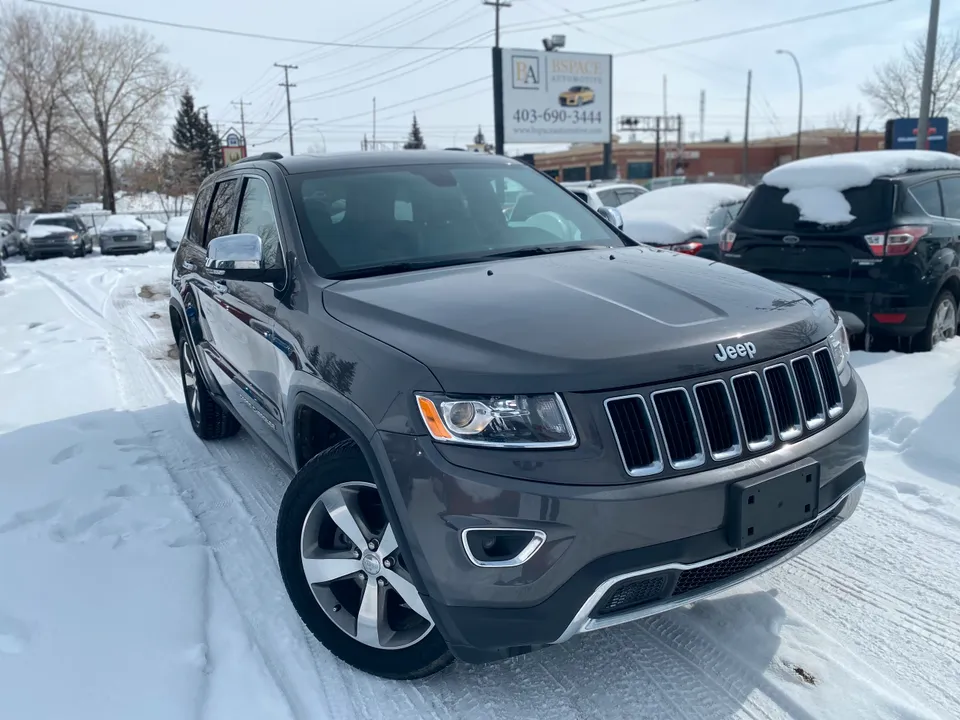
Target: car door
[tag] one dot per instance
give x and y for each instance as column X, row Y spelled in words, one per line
column 240, row 314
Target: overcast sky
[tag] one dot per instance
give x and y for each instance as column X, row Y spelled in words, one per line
column 332, row 103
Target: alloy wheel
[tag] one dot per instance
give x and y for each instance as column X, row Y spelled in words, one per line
column 944, row 321
column 350, row 559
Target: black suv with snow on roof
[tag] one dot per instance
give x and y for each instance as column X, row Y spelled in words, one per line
column 504, row 432
column 893, row 271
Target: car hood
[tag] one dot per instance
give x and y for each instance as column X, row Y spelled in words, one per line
column 578, row 321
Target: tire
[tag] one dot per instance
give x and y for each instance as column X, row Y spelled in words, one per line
column 935, row 332
column 209, row 420
column 341, row 472
column 4, row 253
column 29, row 257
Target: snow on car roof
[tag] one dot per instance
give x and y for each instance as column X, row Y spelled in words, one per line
column 661, row 216
column 123, row 222
column 815, row 185
column 43, row 230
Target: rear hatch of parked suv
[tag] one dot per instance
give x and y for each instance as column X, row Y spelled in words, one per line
column 838, row 262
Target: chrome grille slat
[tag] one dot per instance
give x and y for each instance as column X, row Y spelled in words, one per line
column 717, row 416
column 681, row 427
column 785, row 400
column 754, row 411
column 811, row 397
column 678, row 427
column 829, row 382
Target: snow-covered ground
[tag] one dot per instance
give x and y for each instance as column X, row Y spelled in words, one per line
column 138, row 576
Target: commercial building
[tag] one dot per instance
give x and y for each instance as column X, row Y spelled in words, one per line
column 721, row 160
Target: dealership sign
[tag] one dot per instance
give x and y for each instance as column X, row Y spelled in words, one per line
column 901, row 134
column 556, row 97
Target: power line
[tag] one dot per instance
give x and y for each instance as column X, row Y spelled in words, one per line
column 755, row 28
column 235, row 33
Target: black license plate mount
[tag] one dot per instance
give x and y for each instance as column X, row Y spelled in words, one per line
column 769, row 504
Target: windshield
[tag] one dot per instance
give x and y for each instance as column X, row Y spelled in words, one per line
column 435, row 215
column 67, row 222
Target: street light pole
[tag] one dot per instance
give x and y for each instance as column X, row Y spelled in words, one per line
column 926, row 87
column 800, row 111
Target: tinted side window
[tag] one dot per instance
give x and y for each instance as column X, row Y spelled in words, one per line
column 582, row 196
column 223, row 210
column 627, row 194
column 950, row 187
column 194, row 233
column 927, row 196
column 258, row 217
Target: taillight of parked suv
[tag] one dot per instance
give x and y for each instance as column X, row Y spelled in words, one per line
column 727, row 238
column 895, row 242
column 691, row 247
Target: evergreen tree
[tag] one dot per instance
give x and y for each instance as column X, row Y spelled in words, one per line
column 415, row 139
column 194, row 136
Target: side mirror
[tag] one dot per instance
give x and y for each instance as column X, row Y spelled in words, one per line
column 611, row 215
column 240, row 257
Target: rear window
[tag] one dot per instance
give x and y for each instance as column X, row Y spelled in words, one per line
column 765, row 209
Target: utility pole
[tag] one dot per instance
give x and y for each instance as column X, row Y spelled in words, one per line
column 243, row 123
column 496, row 5
column 656, row 151
column 665, row 96
column 926, row 88
column 796, row 64
column 374, row 123
column 703, row 114
column 286, row 84
column 856, row 138
column 746, row 128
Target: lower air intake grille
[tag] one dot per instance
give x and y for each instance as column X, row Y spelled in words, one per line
column 634, row 593
column 634, row 431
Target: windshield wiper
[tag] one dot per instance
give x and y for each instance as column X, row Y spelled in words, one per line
column 399, row 267
column 543, row 250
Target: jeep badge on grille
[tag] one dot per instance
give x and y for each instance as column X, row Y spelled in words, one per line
column 733, row 351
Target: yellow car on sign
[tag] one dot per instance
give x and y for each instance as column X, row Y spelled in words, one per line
column 576, row 96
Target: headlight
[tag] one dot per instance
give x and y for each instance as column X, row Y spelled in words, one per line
column 839, row 345
column 506, row 421
column 74, row 238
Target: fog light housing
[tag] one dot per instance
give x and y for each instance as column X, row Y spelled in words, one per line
column 501, row 547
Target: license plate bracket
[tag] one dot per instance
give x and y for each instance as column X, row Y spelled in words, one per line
column 769, row 504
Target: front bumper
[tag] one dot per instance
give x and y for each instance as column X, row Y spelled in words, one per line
column 598, row 538
column 52, row 249
column 110, row 247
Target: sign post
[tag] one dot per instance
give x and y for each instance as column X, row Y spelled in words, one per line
column 551, row 97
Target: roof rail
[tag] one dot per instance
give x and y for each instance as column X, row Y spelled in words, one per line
column 261, row 156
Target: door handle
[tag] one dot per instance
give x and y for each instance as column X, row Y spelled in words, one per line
column 220, row 285
column 189, row 265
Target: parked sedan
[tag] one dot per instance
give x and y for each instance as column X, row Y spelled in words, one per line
column 685, row 218
column 53, row 234
column 124, row 234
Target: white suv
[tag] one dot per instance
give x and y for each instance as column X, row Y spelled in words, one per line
column 604, row 193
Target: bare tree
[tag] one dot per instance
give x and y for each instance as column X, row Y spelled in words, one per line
column 43, row 53
column 894, row 89
column 169, row 174
column 123, row 83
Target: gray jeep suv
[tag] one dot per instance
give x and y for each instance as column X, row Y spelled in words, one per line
column 502, row 433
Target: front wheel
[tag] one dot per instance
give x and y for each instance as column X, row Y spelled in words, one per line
column 344, row 572
column 942, row 324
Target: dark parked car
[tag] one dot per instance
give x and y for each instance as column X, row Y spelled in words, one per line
column 894, row 270
column 9, row 239
column 53, row 234
column 503, row 433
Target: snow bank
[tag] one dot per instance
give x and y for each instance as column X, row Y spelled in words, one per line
column 672, row 214
column 816, row 184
